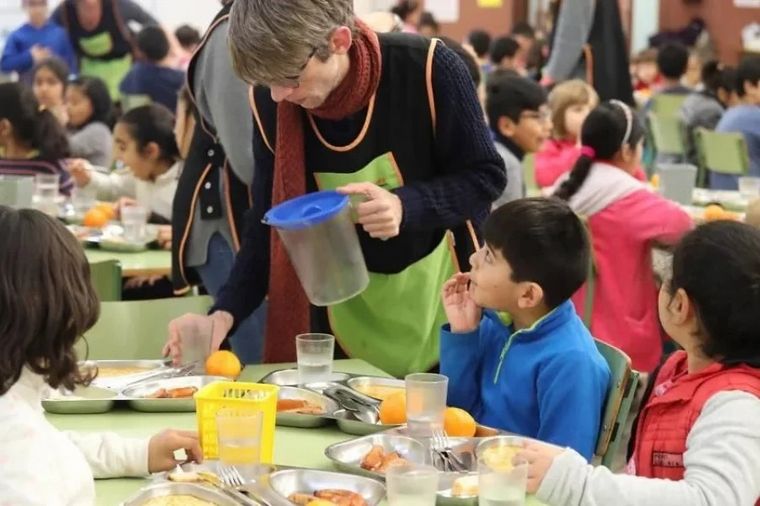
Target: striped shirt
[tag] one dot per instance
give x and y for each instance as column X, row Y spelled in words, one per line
column 37, row 166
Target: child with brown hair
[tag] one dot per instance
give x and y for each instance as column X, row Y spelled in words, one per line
column 47, row 302
column 570, row 102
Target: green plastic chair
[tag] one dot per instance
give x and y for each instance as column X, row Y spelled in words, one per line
column 136, row 330
column 617, row 406
column 722, row 152
column 106, row 278
column 664, row 104
column 667, row 134
column 529, row 176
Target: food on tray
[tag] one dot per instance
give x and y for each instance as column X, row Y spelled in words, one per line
column 459, row 423
column 300, row 406
column 223, row 363
column 379, row 461
column 380, row 392
column 95, row 218
column 177, row 500
column 328, row 497
column 466, row 486
column 193, row 477
column 172, row 393
column 393, row 409
column 113, row 372
column 500, row 457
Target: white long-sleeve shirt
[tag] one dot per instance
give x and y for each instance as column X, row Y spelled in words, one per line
column 722, row 466
column 41, row 466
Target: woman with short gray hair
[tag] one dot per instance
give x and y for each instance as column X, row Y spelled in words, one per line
column 394, row 118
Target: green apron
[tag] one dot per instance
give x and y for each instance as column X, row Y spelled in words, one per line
column 395, row 323
column 111, row 71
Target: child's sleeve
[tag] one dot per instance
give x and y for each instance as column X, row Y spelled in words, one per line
column 460, row 361
column 113, row 185
column 15, row 59
column 571, row 393
column 658, row 219
column 722, row 463
column 112, row 456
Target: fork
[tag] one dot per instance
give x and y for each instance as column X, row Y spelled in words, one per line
column 233, row 480
column 231, row 476
column 442, row 446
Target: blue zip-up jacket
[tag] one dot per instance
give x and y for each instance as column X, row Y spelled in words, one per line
column 547, row 382
column 17, row 55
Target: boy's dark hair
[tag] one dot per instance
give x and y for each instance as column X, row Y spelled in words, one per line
column 96, row 90
column 31, row 124
column 404, row 8
column 672, row 60
column 604, row 130
column 152, row 43
column 466, row 57
column 46, row 299
column 718, row 266
column 747, row 72
column 510, row 95
column 153, row 123
column 523, row 28
column 480, row 40
column 544, row 242
column 187, row 36
column 427, row 19
column 56, row 66
column 503, row 47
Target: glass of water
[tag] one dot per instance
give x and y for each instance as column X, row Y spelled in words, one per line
column 501, row 481
column 315, row 357
column 425, row 403
column 749, row 187
column 46, row 187
column 195, row 340
column 239, row 438
column 411, row 485
column 134, row 220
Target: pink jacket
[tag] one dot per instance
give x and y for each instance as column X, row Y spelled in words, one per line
column 626, row 219
column 556, row 157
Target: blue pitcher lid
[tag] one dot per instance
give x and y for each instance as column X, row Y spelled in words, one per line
column 307, row 210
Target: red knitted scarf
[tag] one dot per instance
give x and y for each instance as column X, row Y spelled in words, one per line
column 288, row 306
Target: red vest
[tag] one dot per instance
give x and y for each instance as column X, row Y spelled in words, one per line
column 674, row 406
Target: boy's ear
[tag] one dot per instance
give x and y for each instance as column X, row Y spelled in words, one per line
column 506, row 126
column 5, row 128
column 531, row 295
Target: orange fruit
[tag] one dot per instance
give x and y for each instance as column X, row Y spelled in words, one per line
column 95, row 218
column 393, row 409
column 655, row 181
column 458, row 423
column 106, row 209
column 714, row 212
column 223, row 363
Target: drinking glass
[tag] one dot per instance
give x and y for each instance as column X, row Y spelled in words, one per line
column 501, row 482
column 239, row 438
column 134, row 220
column 411, row 485
column 315, row 357
column 195, row 338
column 46, row 192
column 749, row 187
column 425, row 403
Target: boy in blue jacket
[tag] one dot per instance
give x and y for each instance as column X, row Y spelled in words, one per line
column 536, row 372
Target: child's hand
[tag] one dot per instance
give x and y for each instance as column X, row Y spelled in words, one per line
column 139, row 281
column 165, row 237
column 80, row 171
column 163, row 445
column 539, row 457
column 461, row 311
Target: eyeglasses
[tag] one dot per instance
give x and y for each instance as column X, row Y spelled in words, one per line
column 295, row 81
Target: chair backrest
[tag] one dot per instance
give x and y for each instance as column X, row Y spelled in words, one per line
column 136, row 330
column 529, row 176
column 129, row 102
column 667, row 134
column 723, row 152
column 106, row 278
column 623, row 382
column 665, row 104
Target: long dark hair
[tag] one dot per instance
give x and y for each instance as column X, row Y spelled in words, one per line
column 32, row 125
column 47, row 300
column 153, row 123
column 606, row 130
column 404, row 8
column 97, row 92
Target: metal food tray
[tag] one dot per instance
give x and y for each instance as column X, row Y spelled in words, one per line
column 359, row 382
column 305, row 420
column 83, row 400
column 347, row 455
column 205, row 493
column 120, row 382
column 308, row 481
column 350, row 425
column 289, row 377
column 136, row 395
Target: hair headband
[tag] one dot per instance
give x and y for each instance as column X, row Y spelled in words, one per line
column 628, row 120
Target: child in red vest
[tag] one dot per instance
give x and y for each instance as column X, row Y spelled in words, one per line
column 698, row 437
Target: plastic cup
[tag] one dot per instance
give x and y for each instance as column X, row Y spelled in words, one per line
column 46, row 192
column 239, row 439
column 195, row 338
column 134, row 220
column 315, row 357
column 749, row 187
column 501, row 482
column 425, row 403
column 411, row 485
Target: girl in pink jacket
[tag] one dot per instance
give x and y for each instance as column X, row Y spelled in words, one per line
column 625, row 219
